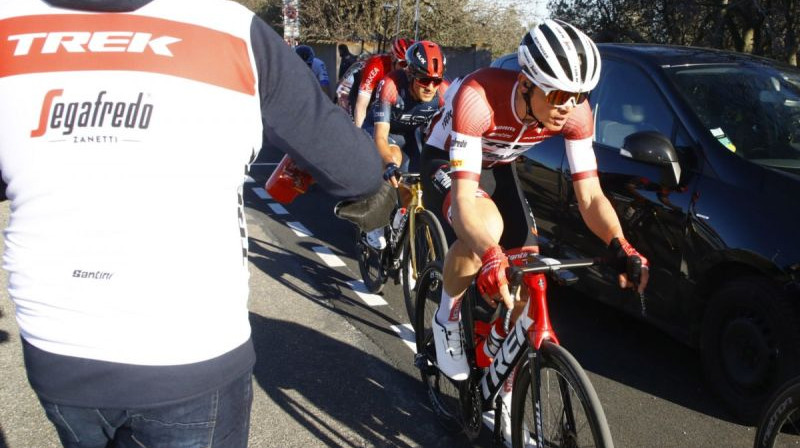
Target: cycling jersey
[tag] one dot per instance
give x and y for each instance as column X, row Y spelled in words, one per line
column 375, row 69
column 479, row 126
column 397, row 106
column 125, row 164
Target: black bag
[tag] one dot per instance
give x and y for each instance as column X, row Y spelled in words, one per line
column 371, row 212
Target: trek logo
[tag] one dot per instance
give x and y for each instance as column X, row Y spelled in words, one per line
column 92, row 42
column 506, row 358
column 98, row 112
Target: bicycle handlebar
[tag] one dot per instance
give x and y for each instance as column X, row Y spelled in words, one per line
column 514, row 274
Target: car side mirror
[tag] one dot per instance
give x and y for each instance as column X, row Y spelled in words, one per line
column 654, row 148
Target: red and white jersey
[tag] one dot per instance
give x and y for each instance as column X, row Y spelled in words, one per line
column 479, row 126
column 125, row 170
column 375, row 69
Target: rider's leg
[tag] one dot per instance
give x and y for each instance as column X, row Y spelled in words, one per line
column 460, row 267
column 461, row 263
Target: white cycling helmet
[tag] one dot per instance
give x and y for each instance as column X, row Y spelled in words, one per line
column 556, row 55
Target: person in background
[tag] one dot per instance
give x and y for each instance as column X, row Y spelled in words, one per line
column 376, row 67
column 346, row 59
column 134, row 325
column 406, row 100
column 316, row 65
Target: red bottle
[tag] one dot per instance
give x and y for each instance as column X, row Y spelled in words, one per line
column 288, row 181
column 491, row 338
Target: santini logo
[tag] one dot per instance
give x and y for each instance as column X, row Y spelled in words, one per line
column 97, row 42
column 93, row 113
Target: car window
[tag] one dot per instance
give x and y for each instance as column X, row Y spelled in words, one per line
column 753, row 111
column 627, row 102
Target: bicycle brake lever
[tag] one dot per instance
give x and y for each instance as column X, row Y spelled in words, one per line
column 636, row 263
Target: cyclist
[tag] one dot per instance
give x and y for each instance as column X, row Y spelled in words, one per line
column 406, row 99
column 376, row 67
column 316, row 65
column 489, row 119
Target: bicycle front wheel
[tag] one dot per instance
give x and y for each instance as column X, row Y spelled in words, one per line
column 429, row 245
column 779, row 427
column 570, row 412
column 370, row 264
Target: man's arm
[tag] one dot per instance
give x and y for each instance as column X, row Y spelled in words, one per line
column 600, row 217
column 299, row 120
column 360, row 111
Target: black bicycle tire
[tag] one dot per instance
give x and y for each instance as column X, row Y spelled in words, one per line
column 559, row 359
column 784, row 404
column 429, row 374
column 367, row 258
column 424, row 219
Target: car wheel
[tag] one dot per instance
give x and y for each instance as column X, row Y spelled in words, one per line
column 749, row 344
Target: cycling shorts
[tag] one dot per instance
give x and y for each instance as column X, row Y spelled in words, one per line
column 499, row 184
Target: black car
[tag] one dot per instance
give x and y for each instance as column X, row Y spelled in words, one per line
column 699, row 152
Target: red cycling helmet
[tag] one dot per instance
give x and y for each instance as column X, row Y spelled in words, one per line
column 399, row 47
column 425, row 60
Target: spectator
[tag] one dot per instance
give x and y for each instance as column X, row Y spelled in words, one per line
column 346, row 59
column 134, row 324
column 316, row 65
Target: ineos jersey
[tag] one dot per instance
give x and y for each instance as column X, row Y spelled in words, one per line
column 125, row 164
column 397, row 107
column 479, row 126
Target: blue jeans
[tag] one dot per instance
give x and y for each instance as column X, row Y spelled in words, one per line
column 220, row 419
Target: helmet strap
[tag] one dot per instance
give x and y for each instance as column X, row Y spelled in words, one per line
column 526, row 96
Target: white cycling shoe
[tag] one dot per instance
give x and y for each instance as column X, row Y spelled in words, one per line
column 376, row 239
column 450, row 356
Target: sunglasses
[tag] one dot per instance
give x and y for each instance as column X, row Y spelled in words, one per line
column 428, row 81
column 401, row 63
column 560, row 98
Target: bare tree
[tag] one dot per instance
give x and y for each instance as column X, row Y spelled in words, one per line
column 763, row 27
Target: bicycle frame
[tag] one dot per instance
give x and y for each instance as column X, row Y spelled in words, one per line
column 531, row 329
column 414, row 207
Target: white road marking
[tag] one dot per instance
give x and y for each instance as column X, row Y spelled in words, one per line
column 406, row 333
column 299, row 229
column 361, row 290
column 278, row 209
column 327, row 256
column 261, row 192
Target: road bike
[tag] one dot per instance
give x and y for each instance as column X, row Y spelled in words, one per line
column 779, row 425
column 415, row 242
column 553, row 403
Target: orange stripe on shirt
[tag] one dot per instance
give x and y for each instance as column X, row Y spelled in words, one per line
column 86, row 42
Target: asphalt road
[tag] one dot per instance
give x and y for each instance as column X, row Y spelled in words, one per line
column 334, row 368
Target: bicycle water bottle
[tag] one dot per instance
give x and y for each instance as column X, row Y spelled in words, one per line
column 487, row 348
column 288, row 181
column 400, row 218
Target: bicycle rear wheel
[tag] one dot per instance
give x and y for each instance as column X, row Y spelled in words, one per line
column 779, row 426
column 429, row 245
column 370, row 264
column 443, row 392
column 571, row 413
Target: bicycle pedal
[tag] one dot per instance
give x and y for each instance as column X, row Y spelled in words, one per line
column 422, row 363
